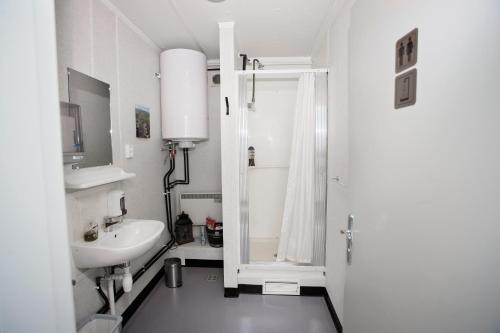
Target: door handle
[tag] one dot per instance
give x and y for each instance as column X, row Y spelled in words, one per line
column 349, row 237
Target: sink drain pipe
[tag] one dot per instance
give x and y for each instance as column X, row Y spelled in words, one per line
column 110, row 278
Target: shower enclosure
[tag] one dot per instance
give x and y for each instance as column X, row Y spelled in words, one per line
column 282, row 176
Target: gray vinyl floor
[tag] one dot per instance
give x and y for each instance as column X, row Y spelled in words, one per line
column 199, row 306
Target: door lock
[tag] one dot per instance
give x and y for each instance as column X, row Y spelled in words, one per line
column 349, row 237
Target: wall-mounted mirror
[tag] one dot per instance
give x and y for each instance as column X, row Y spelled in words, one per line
column 86, row 121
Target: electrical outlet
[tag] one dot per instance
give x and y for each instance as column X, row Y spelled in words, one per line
column 129, row 151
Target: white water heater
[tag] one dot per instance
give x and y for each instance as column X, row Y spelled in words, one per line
column 184, row 107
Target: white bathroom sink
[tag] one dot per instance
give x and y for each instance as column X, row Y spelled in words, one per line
column 128, row 240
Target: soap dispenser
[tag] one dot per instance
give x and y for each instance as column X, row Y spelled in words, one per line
column 116, row 203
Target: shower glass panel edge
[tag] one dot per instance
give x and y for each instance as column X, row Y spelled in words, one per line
column 320, row 168
column 243, row 165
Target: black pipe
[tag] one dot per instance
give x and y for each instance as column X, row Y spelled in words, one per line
column 185, row 181
column 168, row 200
column 167, row 186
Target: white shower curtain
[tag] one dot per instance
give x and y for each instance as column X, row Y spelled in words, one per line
column 298, row 225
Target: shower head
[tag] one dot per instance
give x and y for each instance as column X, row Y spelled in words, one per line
column 259, row 66
column 251, row 106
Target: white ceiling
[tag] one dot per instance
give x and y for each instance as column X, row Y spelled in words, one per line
column 266, row 28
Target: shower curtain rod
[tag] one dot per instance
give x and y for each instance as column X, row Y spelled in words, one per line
column 283, row 71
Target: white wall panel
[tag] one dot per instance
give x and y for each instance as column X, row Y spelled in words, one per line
column 266, row 192
column 229, row 155
column 104, row 64
column 74, row 40
column 137, row 64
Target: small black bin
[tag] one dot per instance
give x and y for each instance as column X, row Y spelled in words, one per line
column 173, row 272
column 215, row 235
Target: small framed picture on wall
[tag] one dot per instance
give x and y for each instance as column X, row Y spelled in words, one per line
column 142, row 122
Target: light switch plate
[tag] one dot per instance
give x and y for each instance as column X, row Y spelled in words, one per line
column 129, row 151
column 405, row 89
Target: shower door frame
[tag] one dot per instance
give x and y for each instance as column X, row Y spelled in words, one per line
column 255, row 272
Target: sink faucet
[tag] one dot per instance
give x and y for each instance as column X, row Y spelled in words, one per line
column 109, row 221
column 116, row 209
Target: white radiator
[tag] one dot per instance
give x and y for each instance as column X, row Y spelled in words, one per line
column 199, row 206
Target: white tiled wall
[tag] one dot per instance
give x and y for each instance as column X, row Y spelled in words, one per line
column 270, row 133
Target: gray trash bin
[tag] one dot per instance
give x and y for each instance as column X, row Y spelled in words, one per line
column 173, row 272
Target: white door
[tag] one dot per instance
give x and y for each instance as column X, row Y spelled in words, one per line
column 425, row 180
